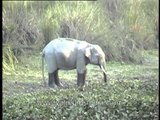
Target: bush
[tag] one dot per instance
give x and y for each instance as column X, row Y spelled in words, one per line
column 122, row 28
column 20, row 27
column 9, row 60
column 119, row 100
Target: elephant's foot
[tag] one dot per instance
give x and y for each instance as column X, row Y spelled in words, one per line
column 53, row 86
column 60, row 85
column 81, row 88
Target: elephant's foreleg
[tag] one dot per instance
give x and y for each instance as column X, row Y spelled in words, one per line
column 57, row 79
column 51, row 81
column 81, row 78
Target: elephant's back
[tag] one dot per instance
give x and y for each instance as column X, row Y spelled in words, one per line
column 68, row 42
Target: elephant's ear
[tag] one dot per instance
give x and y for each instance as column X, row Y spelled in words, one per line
column 88, row 52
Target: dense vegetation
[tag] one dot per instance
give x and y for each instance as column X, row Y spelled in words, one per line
column 130, row 94
column 122, row 28
column 127, row 31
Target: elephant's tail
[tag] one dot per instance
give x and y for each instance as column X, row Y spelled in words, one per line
column 43, row 55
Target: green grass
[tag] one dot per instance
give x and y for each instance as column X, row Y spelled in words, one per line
column 131, row 92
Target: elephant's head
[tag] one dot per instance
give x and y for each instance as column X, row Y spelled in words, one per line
column 96, row 56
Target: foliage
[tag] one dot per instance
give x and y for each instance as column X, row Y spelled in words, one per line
column 20, row 28
column 9, row 60
column 123, row 100
column 79, row 21
column 121, row 28
column 130, row 93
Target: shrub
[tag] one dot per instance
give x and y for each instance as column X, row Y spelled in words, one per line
column 122, row 28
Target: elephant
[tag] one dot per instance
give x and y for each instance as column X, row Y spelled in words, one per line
column 68, row 54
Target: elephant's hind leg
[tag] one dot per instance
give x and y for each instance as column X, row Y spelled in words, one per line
column 51, row 81
column 57, row 79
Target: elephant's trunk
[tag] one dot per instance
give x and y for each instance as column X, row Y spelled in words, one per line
column 104, row 73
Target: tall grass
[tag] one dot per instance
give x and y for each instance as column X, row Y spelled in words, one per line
column 9, row 60
column 20, row 25
column 122, row 28
column 79, row 21
column 142, row 21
